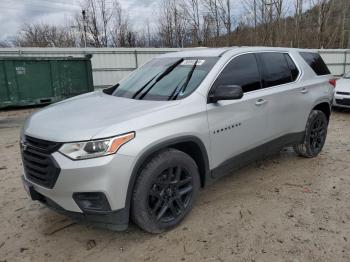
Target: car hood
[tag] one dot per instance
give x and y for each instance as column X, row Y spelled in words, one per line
column 343, row 85
column 82, row 117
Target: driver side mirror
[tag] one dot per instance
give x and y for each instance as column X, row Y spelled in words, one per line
column 225, row 92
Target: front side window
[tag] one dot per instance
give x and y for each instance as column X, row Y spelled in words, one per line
column 243, row 71
column 166, row 78
column 275, row 69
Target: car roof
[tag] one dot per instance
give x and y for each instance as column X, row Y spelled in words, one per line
column 197, row 52
column 217, row 52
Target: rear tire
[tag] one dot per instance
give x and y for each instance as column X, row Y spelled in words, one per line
column 165, row 191
column 315, row 135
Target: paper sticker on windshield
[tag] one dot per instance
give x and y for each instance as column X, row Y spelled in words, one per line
column 192, row 62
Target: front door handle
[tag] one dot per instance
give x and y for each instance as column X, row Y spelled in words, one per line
column 260, row 102
column 304, row 91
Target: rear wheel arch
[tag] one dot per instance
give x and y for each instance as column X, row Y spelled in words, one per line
column 190, row 145
column 325, row 107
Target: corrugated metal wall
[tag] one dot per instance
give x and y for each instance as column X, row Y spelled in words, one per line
column 337, row 60
column 109, row 65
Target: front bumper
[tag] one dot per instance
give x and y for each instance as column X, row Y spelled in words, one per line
column 341, row 100
column 114, row 220
column 108, row 175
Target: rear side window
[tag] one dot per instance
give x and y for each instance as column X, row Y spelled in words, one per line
column 316, row 62
column 293, row 68
column 276, row 70
column 243, row 71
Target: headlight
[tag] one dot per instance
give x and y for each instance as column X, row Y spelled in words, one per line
column 95, row 148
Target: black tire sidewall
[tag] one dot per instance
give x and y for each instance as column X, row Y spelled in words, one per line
column 148, row 174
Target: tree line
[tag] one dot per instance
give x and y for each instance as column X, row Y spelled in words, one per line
column 191, row 23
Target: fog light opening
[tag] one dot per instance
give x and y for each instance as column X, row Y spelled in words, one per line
column 92, row 202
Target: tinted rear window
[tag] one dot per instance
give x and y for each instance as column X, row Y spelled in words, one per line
column 316, row 62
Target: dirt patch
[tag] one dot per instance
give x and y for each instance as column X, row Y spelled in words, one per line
column 285, row 208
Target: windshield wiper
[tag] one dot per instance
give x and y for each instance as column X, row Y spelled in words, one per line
column 143, row 87
column 167, row 71
column 175, row 93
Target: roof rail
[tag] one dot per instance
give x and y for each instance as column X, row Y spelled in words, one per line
column 226, row 50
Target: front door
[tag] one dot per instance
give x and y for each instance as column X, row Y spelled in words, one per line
column 237, row 126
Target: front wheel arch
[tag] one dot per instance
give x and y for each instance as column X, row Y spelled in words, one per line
column 190, row 145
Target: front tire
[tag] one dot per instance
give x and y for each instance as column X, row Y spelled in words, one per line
column 315, row 135
column 165, row 191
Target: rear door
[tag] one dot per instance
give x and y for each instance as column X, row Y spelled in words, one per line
column 289, row 100
column 237, row 125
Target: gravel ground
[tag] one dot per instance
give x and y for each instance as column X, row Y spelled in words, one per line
column 285, row 208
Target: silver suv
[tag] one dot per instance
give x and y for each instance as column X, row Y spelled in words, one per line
column 143, row 148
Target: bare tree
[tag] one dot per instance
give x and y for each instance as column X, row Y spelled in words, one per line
column 191, row 9
column 225, row 15
column 96, row 19
column 148, row 33
column 122, row 34
column 298, row 10
column 106, row 14
column 166, row 28
column 45, row 35
column 180, row 26
column 172, row 23
column 184, row 23
column 208, row 29
column 324, row 8
column 213, row 8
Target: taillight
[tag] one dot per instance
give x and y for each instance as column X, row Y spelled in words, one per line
column 333, row 82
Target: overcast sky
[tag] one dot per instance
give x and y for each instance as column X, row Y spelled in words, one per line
column 14, row 13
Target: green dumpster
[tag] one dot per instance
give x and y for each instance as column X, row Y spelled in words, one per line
column 42, row 80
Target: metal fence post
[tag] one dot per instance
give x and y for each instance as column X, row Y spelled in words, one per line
column 345, row 60
column 136, row 59
column 345, row 55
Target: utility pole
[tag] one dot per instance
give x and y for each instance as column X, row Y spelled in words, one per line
column 255, row 22
column 228, row 23
column 83, row 12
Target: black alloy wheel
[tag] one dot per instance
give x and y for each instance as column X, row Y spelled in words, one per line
column 170, row 194
column 318, row 134
column 165, row 190
column 315, row 135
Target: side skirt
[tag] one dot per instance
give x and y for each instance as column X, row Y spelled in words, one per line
column 257, row 153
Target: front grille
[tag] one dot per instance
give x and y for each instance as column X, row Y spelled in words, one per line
column 344, row 93
column 39, row 165
column 345, row 102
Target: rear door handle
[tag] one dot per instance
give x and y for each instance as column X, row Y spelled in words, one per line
column 304, row 91
column 260, row 102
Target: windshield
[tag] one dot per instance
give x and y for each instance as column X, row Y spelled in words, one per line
column 347, row 75
column 166, row 78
